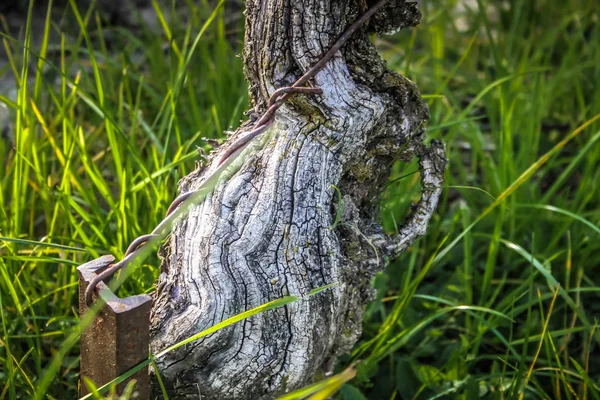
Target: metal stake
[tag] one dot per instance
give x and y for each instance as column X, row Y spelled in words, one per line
column 119, row 335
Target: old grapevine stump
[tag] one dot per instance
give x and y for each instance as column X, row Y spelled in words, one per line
column 266, row 232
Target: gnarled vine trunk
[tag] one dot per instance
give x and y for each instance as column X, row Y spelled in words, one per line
column 267, row 232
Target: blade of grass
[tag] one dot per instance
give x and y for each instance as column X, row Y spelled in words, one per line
column 539, row 348
column 524, row 177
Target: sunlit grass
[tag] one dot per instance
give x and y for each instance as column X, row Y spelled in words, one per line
column 101, row 139
column 522, row 81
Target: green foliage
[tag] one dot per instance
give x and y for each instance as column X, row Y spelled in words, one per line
column 498, row 300
column 508, row 85
column 101, row 137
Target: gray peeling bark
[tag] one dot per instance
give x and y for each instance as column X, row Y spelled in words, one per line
column 266, row 232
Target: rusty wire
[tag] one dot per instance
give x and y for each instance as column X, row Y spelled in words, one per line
column 276, row 100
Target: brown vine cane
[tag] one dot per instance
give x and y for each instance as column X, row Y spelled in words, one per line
column 276, row 100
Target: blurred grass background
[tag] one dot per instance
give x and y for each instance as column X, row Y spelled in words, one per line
column 101, row 117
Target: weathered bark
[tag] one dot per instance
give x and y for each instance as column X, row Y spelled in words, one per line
column 266, row 231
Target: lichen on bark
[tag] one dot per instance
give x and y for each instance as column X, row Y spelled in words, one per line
column 267, row 231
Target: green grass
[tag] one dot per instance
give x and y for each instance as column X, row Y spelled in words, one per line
column 498, row 300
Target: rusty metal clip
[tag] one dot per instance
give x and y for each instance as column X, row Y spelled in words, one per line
column 118, row 337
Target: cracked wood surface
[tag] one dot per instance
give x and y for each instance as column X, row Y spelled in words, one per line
column 266, row 231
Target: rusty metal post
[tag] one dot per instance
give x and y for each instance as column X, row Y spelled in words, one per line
column 118, row 337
